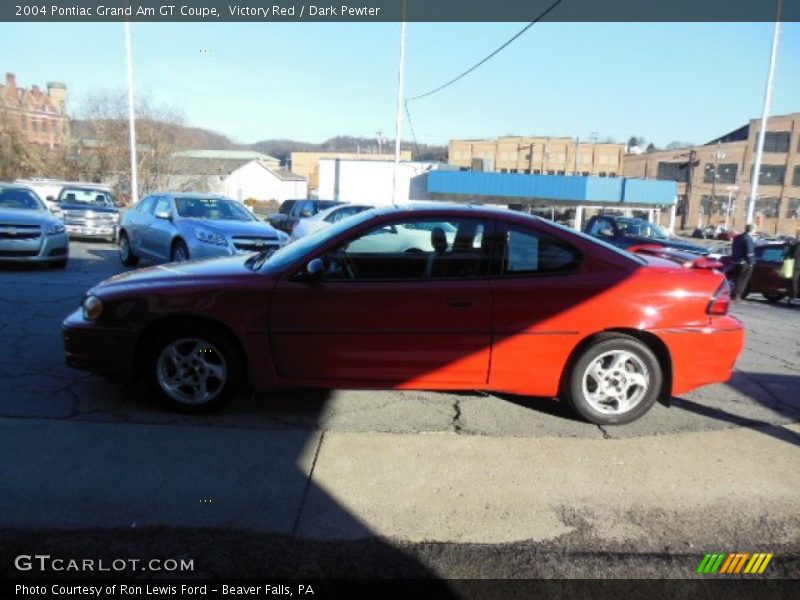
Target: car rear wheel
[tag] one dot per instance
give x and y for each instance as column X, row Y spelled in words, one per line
column 615, row 381
column 191, row 371
column 126, row 255
column 180, row 252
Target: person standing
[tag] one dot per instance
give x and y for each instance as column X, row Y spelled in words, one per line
column 794, row 252
column 743, row 254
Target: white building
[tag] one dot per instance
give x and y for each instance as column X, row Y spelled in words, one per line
column 255, row 180
column 370, row 181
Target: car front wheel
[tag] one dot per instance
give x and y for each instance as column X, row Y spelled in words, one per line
column 180, row 252
column 192, row 372
column 126, row 255
column 614, row 381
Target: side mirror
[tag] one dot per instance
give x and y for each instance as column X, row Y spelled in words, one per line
column 306, row 213
column 314, row 270
column 163, row 214
column 52, row 199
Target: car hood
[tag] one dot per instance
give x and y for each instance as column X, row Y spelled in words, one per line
column 98, row 208
column 215, row 271
column 232, row 227
column 19, row 216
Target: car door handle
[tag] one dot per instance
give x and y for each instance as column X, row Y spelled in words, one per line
column 460, row 303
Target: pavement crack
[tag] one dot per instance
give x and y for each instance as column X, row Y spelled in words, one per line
column 606, row 435
column 769, row 392
column 457, row 416
column 307, row 487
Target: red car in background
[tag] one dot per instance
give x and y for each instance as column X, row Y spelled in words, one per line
column 430, row 297
column 765, row 279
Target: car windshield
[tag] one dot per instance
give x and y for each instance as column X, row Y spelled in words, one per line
column 19, row 198
column 641, row 228
column 288, row 254
column 218, row 209
column 86, row 196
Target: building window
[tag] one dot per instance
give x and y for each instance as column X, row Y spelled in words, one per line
column 45, row 127
column 775, row 141
column 796, row 180
column 717, row 205
column 537, row 171
column 768, row 207
column 513, row 171
column 528, row 156
column 612, row 174
column 672, row 171
column 586, row 173
column 793, row 208
column 725, row 174
column 601, row 174
column 770, row 174
column 551, row 172
column 527, row 171
column 23, row 121
column 559, row 172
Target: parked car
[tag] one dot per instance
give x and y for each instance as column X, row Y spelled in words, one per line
column 304, row 209
column 514, row 304
column 89, row 211
column 690, row 260
column 765, row 279
column 29, row 232
column 278, row 220
column 179, row 227
column 326, row 218
column 626, row 231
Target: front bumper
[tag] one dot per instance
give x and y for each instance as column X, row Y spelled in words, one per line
column 93, row 231
column 45, row 248
column 103, row 350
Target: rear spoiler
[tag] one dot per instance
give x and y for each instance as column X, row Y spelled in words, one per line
column 684, row 258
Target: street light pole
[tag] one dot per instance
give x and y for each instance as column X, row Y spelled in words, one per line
column 399, row 122
column 764, row 117
column 131, row 116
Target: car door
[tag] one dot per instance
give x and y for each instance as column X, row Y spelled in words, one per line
column 389, row 317
column 136, row 222
column 161, row 230
column 538, row 290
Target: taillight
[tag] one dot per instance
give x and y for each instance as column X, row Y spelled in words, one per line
column 721, row 300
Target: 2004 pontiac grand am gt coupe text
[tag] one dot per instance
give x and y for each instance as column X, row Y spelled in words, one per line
column 487, row 299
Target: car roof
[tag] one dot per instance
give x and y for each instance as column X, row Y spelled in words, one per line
column 454, row 207
column 16, row 186
column 192, row 195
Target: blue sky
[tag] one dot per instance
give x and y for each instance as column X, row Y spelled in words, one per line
column 253, row 81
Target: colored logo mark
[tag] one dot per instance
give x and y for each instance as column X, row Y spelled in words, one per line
column 734, row 563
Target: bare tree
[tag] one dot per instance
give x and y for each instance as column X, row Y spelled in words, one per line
column 103, row 147
column 19, row 158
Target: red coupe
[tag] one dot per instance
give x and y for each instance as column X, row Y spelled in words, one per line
column 428, row 297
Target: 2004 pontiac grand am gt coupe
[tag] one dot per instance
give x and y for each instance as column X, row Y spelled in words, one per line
column 487, row 299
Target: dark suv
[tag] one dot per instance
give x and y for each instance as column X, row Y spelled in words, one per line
column 89, row 211
column 302, row 209
column 624, row 232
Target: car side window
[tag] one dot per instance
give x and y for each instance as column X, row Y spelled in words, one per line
column 146, row 205
column 414, row 249
column 162, row 205
column 602, row 228
column 529, row 252
column 772, row 254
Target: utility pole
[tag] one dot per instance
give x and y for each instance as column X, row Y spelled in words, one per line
column 131, row 116
column 379, row 135
column 751, row 204
column 399, row 121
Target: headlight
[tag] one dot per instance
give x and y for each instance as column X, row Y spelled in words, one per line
column 92, row 308
column 55, row 228
column 209, row 237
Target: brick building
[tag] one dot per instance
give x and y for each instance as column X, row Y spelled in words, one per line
column 41, row 115
column 714, row 179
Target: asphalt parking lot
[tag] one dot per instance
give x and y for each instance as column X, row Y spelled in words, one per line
column 42, row 399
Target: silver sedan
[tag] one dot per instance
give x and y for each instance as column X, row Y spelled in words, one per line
column 29, row 232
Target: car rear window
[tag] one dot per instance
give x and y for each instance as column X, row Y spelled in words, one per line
column 86, row 196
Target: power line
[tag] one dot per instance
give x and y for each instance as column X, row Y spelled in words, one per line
column 497, row 51
column 411, row 127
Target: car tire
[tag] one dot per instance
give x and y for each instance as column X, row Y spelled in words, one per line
column 179, row 252
column 614, row 381
column 126, row 255
column 773, row 297
column 192, row 369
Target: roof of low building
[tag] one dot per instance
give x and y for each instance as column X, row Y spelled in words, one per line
column 227, row 155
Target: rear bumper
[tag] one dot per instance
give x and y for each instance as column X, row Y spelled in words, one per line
column 100, row 350
column 703, row 355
